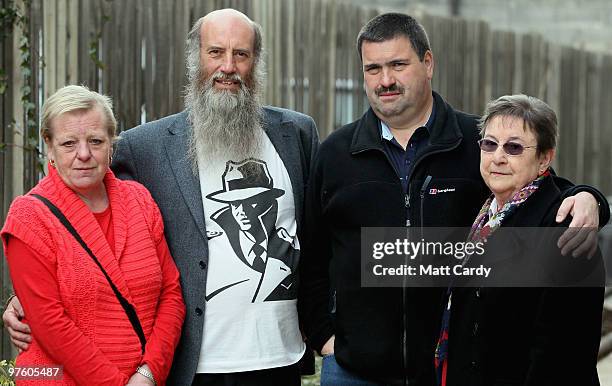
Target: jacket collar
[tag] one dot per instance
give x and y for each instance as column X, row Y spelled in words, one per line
column 180, row 125
column 176, row 145
column 286, row 141
column 444, row 132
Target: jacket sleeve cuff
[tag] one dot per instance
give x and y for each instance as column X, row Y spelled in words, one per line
column 318, row 339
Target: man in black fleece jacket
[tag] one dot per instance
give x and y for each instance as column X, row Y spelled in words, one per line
column 381, row 171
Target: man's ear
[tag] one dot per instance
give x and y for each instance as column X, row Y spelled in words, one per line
column 428, row 61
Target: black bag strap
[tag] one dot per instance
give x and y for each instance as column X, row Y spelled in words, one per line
column 127, row 307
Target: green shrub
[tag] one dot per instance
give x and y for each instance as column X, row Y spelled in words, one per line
column 5, row 378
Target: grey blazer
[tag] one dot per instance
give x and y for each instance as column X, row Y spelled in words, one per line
column 154, row 154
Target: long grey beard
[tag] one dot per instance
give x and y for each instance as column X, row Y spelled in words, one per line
column 225, row 125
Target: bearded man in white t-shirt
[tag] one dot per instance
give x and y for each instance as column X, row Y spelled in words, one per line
column 229, row 176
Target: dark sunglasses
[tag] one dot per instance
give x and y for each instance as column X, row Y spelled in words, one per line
column 510, row 148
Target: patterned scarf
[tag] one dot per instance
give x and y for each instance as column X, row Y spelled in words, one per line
column 485, row 224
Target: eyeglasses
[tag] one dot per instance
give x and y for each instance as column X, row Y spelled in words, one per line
column 510, row 148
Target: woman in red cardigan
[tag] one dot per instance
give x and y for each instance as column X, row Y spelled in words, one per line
column 76, row 318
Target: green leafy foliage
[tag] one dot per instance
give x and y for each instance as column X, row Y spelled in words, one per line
column 5, row 377
column 94, row 43
column 8, row 16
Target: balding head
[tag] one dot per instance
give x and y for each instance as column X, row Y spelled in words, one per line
column 226, row 15
column 214, row 23
column 230, row 18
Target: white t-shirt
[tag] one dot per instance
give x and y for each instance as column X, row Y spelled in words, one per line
column 250, row 321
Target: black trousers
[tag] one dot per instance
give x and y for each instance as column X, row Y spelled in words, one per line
column 278, row 376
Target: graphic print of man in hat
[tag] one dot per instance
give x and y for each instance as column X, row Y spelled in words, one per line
column 249, row 222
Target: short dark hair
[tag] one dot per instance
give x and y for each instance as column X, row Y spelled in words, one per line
column 391, row 25
column 535, row 113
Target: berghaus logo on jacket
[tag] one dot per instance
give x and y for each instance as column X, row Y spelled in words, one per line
column 434, row 191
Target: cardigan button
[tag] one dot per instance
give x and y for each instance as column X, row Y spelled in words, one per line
column 202, row 265
column 199, row 311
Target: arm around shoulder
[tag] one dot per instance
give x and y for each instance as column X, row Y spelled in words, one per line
column 568, row 189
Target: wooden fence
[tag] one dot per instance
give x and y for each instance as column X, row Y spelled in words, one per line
column 134, row 51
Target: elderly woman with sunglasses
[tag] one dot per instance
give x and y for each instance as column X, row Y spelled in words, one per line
column 519, row 336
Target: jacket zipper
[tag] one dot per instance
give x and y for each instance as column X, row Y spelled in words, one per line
column 404, row 295
column 407, row 205
column 408, row 224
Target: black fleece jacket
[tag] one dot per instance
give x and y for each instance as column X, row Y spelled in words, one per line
column 511, row 336
column 384, row 334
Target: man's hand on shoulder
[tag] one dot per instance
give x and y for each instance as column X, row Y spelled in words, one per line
column 581, row 236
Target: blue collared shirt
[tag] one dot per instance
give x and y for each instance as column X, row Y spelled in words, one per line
column 403, row 160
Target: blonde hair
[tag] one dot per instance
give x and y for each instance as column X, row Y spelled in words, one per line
column 74, row 98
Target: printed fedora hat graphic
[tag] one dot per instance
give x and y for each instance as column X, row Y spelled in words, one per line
column 244, row 180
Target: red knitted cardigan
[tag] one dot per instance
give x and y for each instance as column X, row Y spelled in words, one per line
column 76, row 319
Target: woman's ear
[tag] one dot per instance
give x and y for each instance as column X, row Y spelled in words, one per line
column 48, row 146
column 546, row 159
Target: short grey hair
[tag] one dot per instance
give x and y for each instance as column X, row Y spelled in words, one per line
column 192, row 49
column 537, row 116
column 391, row 25
column 73, row 98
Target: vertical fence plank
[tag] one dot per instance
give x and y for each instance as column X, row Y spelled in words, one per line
column 16, row 137
column 59, row 47
column 82, row 36
column 274, row 25
column 50, row 52
column 591, row 122
column 568, row 115
column 149, row 79
column 132, row 66
column 605, row 99
column 182, row 27
column 32, row 160
column 140, row 58
column 330, row 90
column 72, row 37
column 580, row 99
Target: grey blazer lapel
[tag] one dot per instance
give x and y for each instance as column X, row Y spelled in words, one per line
column 283, row 136
column 189, row 184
